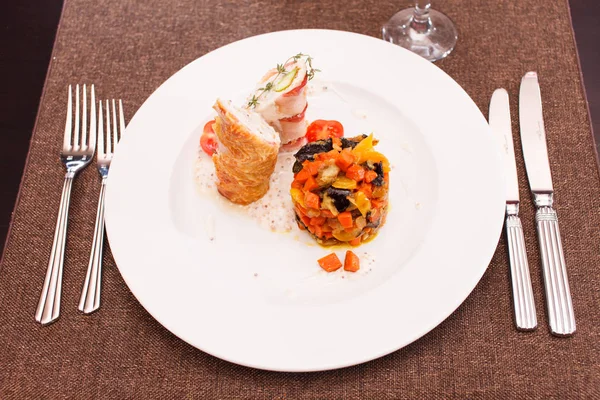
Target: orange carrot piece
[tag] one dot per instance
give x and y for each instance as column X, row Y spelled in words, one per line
column 312, row 200
column 355, row 172
column 370, row 176
column 351, row 262
column 300, row 210
column 377, row 203
column 327, row 214
column 313, row 167
column 318, row 221
column 344, row 159
column 330, row 155
column 330, row 262
column 305, row 221
column 345, row 219
column 302, row 176
column 367, row 189
column 355, row 241
column 317, row 231
column 297, row 185
column 310, row 184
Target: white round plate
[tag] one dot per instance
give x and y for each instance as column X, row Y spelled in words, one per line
column 258, row 298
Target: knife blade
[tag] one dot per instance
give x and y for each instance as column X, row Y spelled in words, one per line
column 523, row 303
column 561, row 316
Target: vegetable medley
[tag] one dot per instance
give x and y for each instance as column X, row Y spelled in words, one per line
column 340, row 189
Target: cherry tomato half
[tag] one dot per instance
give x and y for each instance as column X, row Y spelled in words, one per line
column 321, row 129
column 208, row 140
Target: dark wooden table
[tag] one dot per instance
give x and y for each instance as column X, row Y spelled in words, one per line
column 26, row 41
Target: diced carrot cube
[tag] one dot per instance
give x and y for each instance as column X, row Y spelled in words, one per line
column 327, row 214
column 313, row 166
column 351, row 262
column 367, row 189
column 355, row 241
column 318, row 221
column 377, row 203
column 317, row 231
column 355, row 172
column 344, row 159
column 310, row 184
column 370, row 176
column 302, row 175
column 345, row 219
column 312, row 200
column 330, row 262
column 305, row 221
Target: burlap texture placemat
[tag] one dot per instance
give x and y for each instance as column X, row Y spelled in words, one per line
column 128, row 48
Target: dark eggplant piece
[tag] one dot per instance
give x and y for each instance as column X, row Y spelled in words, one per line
column 297, row 167
column 379, row 180
column 308, row 151
column 339, row 197
column 372, row 224
column 353, row 141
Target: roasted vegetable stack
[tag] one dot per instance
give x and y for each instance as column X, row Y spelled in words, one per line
column 340, row 189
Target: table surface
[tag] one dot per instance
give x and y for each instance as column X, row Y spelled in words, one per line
column 122, row 352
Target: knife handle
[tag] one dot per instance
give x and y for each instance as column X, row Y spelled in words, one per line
column 524, row 306
column 558, row 296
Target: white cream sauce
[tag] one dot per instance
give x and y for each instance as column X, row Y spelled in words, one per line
column 274, row 211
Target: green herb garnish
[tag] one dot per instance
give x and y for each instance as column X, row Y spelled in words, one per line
column 310, row 72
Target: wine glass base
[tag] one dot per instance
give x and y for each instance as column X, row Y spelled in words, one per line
column 434, row 43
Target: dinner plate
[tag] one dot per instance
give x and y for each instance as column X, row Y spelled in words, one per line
column 227, row 284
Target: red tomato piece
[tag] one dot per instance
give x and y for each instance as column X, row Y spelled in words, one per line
column 321, row 129
column 208, row 140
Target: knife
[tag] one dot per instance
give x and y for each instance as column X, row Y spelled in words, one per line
column 523, row 304
column 533, row 138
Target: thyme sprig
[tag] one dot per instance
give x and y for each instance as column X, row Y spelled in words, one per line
column 310, row 72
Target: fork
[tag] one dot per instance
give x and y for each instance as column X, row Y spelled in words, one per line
column 75, row 155
column 90, row 295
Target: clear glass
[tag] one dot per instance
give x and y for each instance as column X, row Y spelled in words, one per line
column 424, row 31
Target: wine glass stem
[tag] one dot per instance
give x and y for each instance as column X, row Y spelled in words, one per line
column 420, row 21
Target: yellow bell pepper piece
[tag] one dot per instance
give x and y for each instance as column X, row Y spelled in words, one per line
column 364, row 151
column 344, row 183
column 297, row 196
column 361, row 202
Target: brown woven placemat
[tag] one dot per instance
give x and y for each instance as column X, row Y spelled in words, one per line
column 127, row 48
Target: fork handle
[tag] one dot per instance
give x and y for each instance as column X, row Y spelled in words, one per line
column 48, row 309
column 524, row 306
column 558, row 295
column 90, row 295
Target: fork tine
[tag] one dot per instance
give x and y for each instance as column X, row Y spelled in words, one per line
column 92, row 143
column 100, row 131
column 121, row 120
column 69, row 122
column 76, row 139
column 115, row 131
column 84, row 119
column 108, row 138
